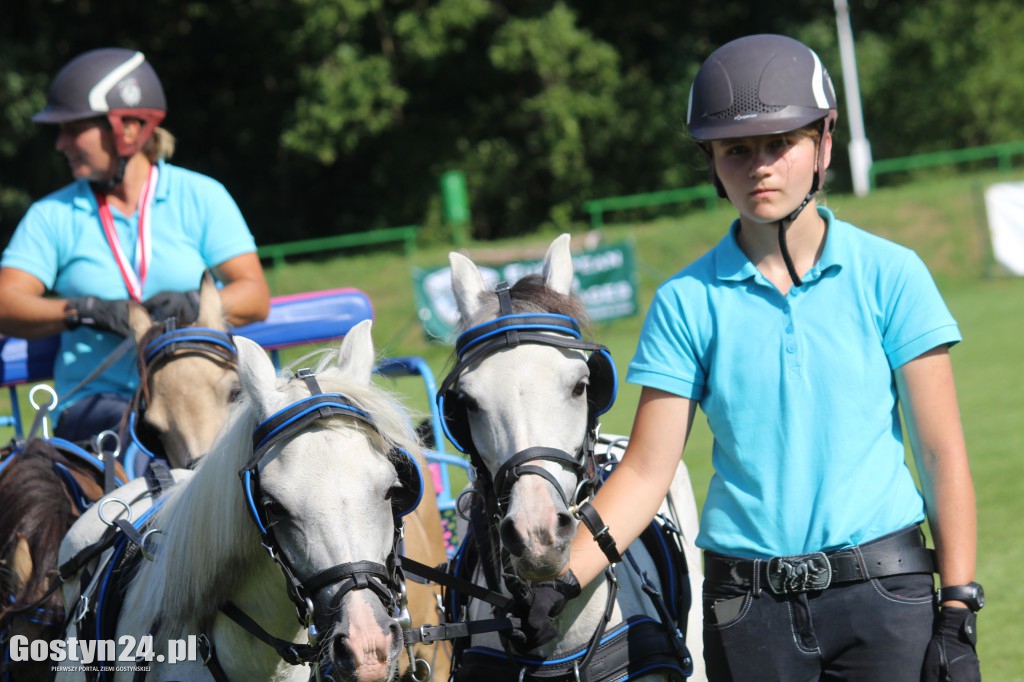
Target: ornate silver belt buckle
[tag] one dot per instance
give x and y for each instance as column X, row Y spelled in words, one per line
column 799, row 573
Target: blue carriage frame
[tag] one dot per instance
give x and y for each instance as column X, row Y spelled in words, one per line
column 314, row 317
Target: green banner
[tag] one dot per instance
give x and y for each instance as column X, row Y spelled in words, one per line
column 604, row 279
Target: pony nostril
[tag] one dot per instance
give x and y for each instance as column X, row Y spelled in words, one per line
column 565, row 527
column 341, row 653
column 510, row 537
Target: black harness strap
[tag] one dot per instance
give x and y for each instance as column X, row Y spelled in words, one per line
column 209, row 654
column 290, row 652
column 638, row 645
column 158, row 478
column 599, row 529
column 453, row 581
column 427, row 634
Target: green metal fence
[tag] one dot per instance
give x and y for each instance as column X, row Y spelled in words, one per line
column 1003, row 153
column 277, row 253
column 598, row 207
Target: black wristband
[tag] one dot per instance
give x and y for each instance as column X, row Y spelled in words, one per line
column 72, row 320
column 599, row 529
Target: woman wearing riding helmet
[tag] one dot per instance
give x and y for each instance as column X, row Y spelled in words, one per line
column 801, row 336
column 130, row 227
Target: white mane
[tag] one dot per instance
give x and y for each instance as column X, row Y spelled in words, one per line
column 209, row 541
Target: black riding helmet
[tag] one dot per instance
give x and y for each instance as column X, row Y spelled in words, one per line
column 762, row 85
column 111, row 82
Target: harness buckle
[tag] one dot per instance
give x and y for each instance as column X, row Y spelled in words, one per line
column 799, row 573
column 81, row 610
column 205, row 648
column 146, row 553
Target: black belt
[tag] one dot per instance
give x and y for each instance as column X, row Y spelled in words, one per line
column 900, row 552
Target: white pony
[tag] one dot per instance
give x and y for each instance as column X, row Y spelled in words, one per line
column 308, row 479
column 523, row 400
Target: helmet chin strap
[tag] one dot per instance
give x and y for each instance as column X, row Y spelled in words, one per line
column 105, row 186
column 785, row 223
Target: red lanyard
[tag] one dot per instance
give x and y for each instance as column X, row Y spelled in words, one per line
column 134, row 276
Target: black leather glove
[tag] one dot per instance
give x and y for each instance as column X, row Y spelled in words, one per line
column 537, row 618
column 183, row 306
column 98, row 313
column 951, row 656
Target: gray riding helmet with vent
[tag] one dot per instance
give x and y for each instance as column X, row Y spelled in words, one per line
column 111, row 82
column 760, row 85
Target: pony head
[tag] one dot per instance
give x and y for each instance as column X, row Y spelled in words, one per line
column 186, row 382
column 326, row 492
column 313, row 469
column 522, row 401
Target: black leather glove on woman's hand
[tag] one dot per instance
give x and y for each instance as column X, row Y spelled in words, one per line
column 98, row 313
column 183, row 306
column 537, row 618
column 951, row 656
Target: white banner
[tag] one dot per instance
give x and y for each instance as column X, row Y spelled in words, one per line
column 1004, row 202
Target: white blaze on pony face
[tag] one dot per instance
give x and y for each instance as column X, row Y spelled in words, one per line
column 342, row 515
column 528, row 396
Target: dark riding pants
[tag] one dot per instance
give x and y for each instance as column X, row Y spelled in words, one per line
column 873, row 630
column 91, row 415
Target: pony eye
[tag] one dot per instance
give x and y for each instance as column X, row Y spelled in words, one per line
column 393, row 492
column 274, row 509
column 469, row 402
column 580, row 388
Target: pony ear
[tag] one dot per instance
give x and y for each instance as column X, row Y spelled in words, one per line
column 211, row 312
column 355, row 355
column 557, row 269
column 467, row 285
column 139, row 320
column 256, row 373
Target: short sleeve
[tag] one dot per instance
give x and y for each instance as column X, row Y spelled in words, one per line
column 667, row 357
column 916, row 318
column 225, row 234
column 34, row 248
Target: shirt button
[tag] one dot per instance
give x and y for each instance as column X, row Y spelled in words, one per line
column 789, row 329
column 791, row 348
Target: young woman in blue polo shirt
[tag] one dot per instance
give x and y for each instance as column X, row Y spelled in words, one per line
column 130, row 227
column 801, row 337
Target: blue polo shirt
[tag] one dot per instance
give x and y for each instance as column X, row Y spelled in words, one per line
column 195, row 224
column 799, row 389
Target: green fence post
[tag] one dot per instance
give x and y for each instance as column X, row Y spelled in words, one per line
column 455, row 204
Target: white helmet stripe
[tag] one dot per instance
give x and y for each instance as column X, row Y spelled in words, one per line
column 816, row 83
column 98, row 94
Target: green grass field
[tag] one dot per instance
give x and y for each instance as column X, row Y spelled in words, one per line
column 943, row 220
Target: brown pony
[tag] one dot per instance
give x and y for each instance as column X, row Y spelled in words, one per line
column 53, row 484
column 424, row 542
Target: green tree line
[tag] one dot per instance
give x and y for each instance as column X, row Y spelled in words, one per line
column 333, row 116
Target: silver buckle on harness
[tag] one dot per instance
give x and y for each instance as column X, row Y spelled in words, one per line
column 799, row 573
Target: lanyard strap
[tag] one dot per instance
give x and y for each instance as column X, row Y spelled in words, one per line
column 134, row 276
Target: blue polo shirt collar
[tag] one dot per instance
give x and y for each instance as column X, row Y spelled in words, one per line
column 732, row 265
